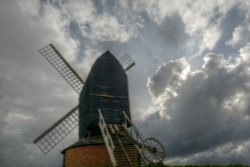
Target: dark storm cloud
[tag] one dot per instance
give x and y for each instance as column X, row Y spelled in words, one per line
column 209, row 108
column 30, row 89
column 173, row 31
column 147, row 41
column 33, row 95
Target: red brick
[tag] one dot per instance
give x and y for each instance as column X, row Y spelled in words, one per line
column 87, row 156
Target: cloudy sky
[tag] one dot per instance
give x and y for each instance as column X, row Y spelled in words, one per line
column 190, row 87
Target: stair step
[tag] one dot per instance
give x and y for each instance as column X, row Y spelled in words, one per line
column 122, row 161
column 136, row 156
column 123, row 165
column 121, row 158
column 117, row 150
column 125, row 152
column 127, row 149
column 129, row 155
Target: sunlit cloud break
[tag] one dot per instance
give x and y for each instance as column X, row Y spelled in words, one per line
column 189, row 88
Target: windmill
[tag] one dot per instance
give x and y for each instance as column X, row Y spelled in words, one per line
column 107, row 136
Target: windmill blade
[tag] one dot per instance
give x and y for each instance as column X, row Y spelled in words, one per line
column 58, row 131
column 126, row 62
column 53, row 56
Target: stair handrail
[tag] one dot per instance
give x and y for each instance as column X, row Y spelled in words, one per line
column 107, row 137
column 138, row 137
column 135, row 135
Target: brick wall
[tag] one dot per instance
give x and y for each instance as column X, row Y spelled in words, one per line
column 87, row 156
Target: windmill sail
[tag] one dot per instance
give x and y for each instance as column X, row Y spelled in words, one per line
column 126, row 62
column 58, row 131
column 53, row 56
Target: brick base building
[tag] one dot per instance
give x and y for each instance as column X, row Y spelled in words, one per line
column 90, row 152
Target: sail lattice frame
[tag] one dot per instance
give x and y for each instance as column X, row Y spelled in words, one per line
column 127, row 62
column 52, row 55
column 58, row 131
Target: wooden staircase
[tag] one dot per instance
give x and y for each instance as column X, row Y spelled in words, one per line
column 125, row 151
column 122, row 149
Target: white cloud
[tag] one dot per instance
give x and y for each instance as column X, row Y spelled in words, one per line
column 241, row 33
column 202, row 19
column 97, row 26
column 211, row 36
column 28, row 97
column 238, row 36
column 88, row 60
column 107, row 28
column 82, row 11
column 209, row 109
column 168, row 76
column 57, row 22
column 194, row 107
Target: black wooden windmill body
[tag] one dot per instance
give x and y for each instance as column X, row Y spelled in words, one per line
column 103, row 116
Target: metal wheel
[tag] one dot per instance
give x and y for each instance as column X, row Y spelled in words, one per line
column 153, row 151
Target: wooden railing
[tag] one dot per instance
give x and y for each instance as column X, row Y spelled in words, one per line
column 133, row 131
column 107, row 137
column 134, row 134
